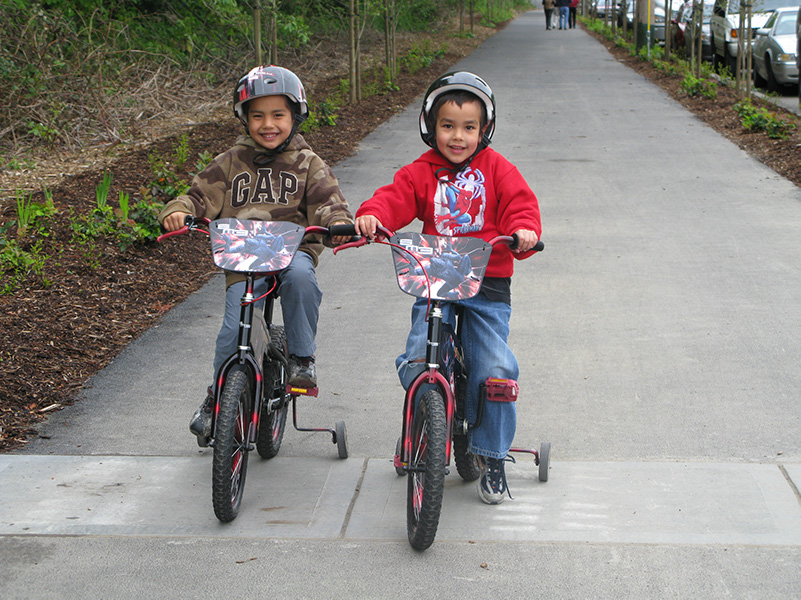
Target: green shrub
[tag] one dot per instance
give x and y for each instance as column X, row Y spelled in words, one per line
column 694, row 86
column 761, row 119
column 421, row 56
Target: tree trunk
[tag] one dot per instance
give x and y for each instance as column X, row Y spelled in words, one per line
column 257, row 32
column 274, row 33
column 389, row 35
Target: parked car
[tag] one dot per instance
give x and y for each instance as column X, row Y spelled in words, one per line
column 685, row 28
column 678, row 25
column 657, row 24
column 725, row 25
column 601, row 7
column 798, row 51
column 775, row 50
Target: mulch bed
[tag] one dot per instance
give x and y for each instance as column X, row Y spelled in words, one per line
column 53, row 338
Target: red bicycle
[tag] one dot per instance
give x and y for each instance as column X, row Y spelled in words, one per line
column 442, row 269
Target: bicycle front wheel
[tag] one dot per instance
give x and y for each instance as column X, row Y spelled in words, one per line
column 426, row 480
column 230, row 461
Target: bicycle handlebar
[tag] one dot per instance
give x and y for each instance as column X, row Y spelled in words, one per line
column 193, row 223
column 513, row 241
column 383, row 232
column 190, row 224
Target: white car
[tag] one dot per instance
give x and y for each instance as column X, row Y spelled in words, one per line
column 798, row 52
column 725, row 25
column 774, row 50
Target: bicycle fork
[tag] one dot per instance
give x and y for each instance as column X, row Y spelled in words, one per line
column 431, row 376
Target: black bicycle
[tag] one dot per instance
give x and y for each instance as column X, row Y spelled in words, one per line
column 252, row 394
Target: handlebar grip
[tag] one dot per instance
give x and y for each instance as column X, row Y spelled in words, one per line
column 180, row 231
column 538, row 247
column 345, row 229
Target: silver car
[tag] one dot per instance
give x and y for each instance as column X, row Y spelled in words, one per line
column 774, row 50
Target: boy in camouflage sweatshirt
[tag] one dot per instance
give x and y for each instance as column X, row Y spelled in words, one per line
column 271, row 174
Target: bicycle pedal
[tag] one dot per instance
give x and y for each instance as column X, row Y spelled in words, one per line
column 293, row 390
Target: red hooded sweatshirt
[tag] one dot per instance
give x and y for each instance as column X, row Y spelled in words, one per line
column 487, row 199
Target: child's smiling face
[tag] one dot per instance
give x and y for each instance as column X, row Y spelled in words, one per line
column 269, row 121
column 458, row 130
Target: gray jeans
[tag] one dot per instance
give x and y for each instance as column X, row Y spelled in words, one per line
column 300, row 306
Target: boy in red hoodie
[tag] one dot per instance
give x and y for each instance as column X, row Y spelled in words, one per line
column 463, row 188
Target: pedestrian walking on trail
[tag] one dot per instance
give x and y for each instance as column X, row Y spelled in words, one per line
column 547, row 6
column 564, row 12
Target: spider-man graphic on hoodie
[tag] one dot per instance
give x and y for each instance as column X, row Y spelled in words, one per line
column 459, row 205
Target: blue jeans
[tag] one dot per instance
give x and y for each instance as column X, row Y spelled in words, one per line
column 485, row 331
column 300, row 306
column 564, row 11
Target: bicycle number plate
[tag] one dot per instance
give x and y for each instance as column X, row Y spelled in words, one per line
column 254, row 246
column 455, row 265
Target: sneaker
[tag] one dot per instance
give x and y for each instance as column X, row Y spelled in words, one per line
column 200, row 424
column 492, row 485
column 301, row 371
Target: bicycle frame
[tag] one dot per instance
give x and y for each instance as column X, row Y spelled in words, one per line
column 431, row 375
column 253, row 337
column 242, row 245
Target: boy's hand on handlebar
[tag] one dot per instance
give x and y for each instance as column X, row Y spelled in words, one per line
column 367, row 225
column 526, row 240
column 338, row 240
column 175, row 220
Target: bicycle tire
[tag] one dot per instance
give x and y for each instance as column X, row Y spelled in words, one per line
column 272, row 423
column 544, row 460
column 468, row 465
column 230, row 460
column 426, row 478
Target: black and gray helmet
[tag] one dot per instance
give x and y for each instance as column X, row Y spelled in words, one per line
column 270, row 81
column 459, row 80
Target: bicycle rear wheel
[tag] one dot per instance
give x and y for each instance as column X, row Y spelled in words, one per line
column 426, row 480
column 272, row 423
column 468, row 465
column 230, row 461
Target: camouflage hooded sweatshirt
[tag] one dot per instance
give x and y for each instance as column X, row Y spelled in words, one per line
column 295, row 186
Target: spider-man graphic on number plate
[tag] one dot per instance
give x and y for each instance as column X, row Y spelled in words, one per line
column 455, row 265
column 255, row 246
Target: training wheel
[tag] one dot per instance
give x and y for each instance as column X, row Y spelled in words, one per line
column 545, row 459
column 341, row 439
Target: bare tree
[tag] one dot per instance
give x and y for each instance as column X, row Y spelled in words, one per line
column 353, row 52
column 257, row 31
column 390, row 27
column 274, row 32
